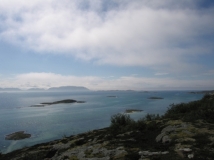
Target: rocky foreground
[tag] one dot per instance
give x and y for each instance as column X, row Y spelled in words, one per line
column 152, row 138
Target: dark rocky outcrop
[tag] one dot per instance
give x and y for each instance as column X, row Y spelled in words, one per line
column 57, row 102
column 133, row 110
column 155, row 98
column 17, row 135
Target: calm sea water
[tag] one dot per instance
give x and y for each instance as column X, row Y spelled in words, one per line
column 55, row 121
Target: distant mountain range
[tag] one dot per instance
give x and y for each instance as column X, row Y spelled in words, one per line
column 10, row 89
column 68, row 88
column 63, row 88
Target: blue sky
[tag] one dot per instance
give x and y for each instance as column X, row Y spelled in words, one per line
column 105, row 45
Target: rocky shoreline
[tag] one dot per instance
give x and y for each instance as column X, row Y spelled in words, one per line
column 174, row 140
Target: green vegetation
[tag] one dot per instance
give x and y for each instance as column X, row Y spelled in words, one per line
column 190, row 112
column 121, row 123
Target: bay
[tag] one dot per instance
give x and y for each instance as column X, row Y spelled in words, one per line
column 55, row 121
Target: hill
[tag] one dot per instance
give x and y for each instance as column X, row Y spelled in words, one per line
column 10, row 89
column 68, row 88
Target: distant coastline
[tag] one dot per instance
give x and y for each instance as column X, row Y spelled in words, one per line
column 202, row 92
column 62, row 88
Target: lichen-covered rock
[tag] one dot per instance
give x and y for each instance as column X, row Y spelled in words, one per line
column 166, row 139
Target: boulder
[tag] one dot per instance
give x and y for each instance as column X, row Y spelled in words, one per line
column 166, row 139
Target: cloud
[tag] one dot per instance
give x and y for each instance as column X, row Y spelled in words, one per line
column 47, row 80
column 209, row 73
column 161, row 74
column 159, row 35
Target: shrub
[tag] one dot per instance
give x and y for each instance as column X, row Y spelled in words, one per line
column 121, row 123
column 192, row 111
column 151, row 117
column 141, row 124
column 121, row 119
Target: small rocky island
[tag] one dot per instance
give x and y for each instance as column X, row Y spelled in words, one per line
column 155, row 98
column 133, row 110
column 57, row 102
column 17, row 135
column 112, row 96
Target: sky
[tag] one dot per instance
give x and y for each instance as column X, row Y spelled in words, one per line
column 107, row 44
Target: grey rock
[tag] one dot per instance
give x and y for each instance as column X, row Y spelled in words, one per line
column 160, row 136
column 187, row 132
column 169, row 129
column 185, row 149
column 166, row 139
column 165, row 152
column 190, row 156
column 144, row 154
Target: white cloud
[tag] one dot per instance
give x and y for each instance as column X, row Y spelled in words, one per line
column 47, row 80
column 161, row 74
column 156, row 34
column 209, row 73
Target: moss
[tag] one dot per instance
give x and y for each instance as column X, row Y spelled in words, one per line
column 99, row 155
column 174, row 122
column 88, row 153
column 73, row 158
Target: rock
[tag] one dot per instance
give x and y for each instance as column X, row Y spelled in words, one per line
column 185, row 140
column 185, row 149
column 159, row 137
column 164, row 135
column 120, row 154
column 166, row 139
column 187, row 132
column 17, row 135
column 120, row 148
column 169, row 129
column 143, row 152
column 147, row 153
column 165, row 152
column 190, row 156
column 133, row 110
column 58, row 102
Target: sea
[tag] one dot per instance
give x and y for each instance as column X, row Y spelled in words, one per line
column 57, row 121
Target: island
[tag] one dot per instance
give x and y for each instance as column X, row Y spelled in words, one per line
column 17, row 135
column 202, row 92
column 133, row 110
column 155, row 98
column 112, row 96
column 57, row 102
